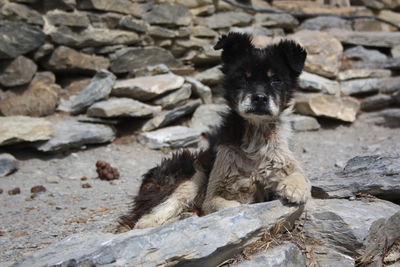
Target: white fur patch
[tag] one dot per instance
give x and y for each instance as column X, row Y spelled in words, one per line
column 273, row 107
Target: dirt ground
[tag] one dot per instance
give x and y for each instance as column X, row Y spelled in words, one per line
column 28, row 224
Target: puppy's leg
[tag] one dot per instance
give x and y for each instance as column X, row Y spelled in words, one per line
column 181, row 198
column 295, row 187
column 220, row 177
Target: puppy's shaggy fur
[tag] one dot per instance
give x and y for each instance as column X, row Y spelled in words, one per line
column 248, row 158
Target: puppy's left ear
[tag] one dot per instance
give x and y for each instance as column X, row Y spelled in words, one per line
column 294, row 54
column 234, row 45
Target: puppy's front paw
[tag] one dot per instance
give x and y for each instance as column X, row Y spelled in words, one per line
column 296, row 188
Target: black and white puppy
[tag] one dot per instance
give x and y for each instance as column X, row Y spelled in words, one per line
column 248, row 156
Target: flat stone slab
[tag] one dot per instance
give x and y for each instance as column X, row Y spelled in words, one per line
column 304, row 123
column 72, row 134
column 314, row 83
column 166, row 14
column 228, row 19
column 99, row 88
column 122, row 107
column 363, row 73
column 17, row 72
column 171, row 116
column 360, row 86
column 377, row 175
column 375, row 39
column 173, row 137
column 174, row 98
column 196, row 241
column 17, row 129
column 8, row 164
column 330, row 106
column 208, row 117
column 146, row 88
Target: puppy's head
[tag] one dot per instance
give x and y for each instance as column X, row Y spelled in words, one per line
column 259, row 82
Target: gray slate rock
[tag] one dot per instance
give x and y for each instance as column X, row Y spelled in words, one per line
column 314, row 83
column 17, row 72
column 13, row 11
column 283, row 255
column 213, row 239
column 172, row 137
column 376, row 102
column 390, row 63
column 18, row 38
column 129, row 59
column 377, row 175
column 374, row 39
column 17, row 129
column 208, row 117
column 304, row 123
column 122, row 107
column 8, row 164
column 324, row 23
column 166, row 14
column 72, row 134
column 119, row 6
column 389, row 85
column 171, row 116
column 360, row 86
column 201, row 90
column 148, row 87
column 228, row 19
column 211, row 76
column 347, row 226
column 58, row 18
column 130, row 23
column 363, row 57
column 175, row 98
column 389, row 118
column 93, row 37
column 99, row 88
column 363, row 73
column 66, row 5
column 284, row 21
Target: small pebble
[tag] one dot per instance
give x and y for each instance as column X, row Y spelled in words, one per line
column 38, row 189
column 86, row 185
column 14, row 191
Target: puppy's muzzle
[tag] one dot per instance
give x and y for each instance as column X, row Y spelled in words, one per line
column 259, row 99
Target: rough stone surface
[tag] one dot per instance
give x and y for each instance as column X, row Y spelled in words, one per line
column 175, row 98
column 351, row 221
column 99, row 88
column 173, row 137
column 360, row 86
column 228, row 19
column 376, row 102
column 72, row 134
column 128, row 59
column 13, row 11
column 166, row 14
column 211, row 76
column 304, row 123
column 284, row 255
column 169, row 117
column 364, row 58
column 213, row 239
column 389, row 85
column 17, row 72
column 121, row 107
column 40, row 98
column 58, row 18
column 93, row 37
column 314, row 83
column 334, row 107
column 324, row 23
column 201, row 90
column 284, row 21
column 374, row 39
column 391, row 118
column 363, row 73
column 18, row 38
column 207, row 117
column 8, row 164
column 390, row 63
column 146, row 88
column 130, row 23
column 324, row 52
column 376, row 175
column 17, row 129
column 395, row 51
column 65, row 59
column 120, row 6
column 67, row 5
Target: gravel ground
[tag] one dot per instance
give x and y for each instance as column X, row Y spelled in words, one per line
column 29, row 223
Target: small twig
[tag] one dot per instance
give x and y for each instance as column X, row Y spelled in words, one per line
column 307, row 15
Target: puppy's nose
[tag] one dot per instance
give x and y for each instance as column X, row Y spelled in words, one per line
column 259, row 98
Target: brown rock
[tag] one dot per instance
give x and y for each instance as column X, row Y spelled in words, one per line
column 14, row 191
column 38, row 189
column 39, row 99
column 17, row 72
column 324, row 52
column 57, row 18
column 65, row 59
column 105, row 171
column 330, row 106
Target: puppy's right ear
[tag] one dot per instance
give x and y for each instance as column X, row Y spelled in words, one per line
column 234, row 44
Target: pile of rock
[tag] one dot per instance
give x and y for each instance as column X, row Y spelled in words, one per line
column 154, row 62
